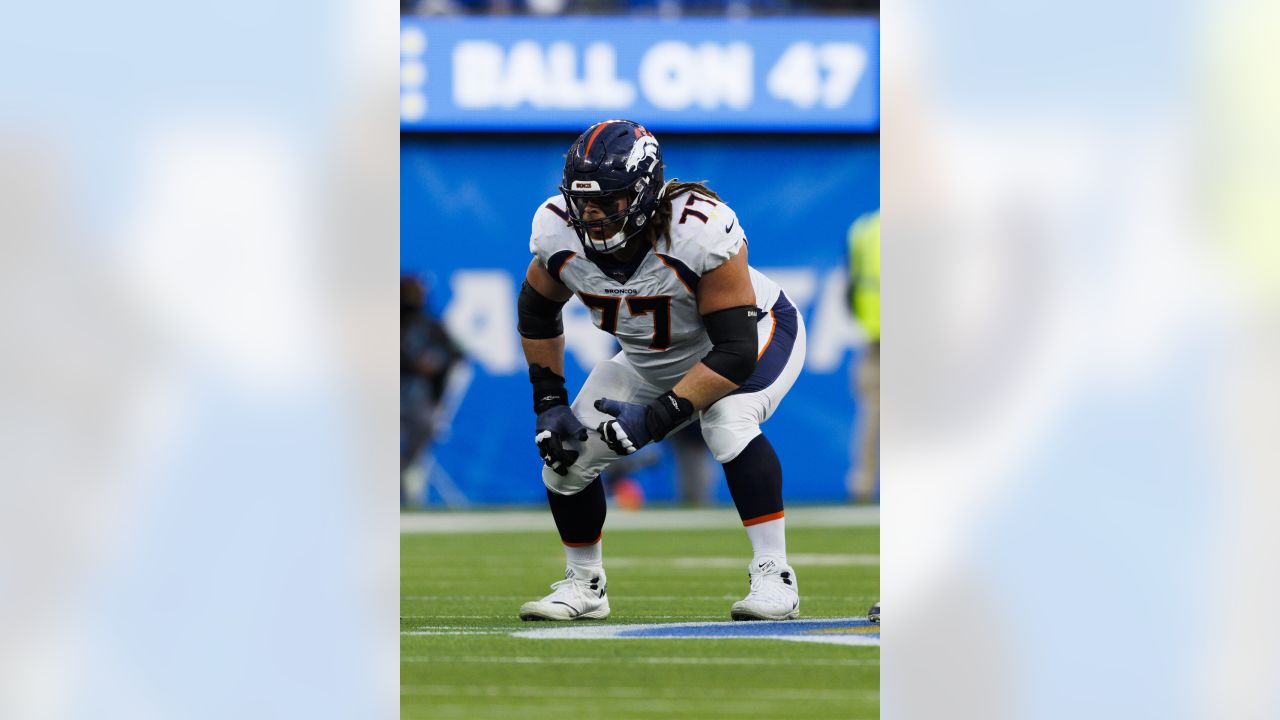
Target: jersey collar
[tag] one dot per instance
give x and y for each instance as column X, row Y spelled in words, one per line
column 619, row 272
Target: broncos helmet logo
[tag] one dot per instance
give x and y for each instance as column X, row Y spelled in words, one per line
column 645, row 148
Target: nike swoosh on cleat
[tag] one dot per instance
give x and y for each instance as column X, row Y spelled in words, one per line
column 572, row 609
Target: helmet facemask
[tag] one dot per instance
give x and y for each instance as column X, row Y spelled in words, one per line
column 630, row 219
column 612, row 158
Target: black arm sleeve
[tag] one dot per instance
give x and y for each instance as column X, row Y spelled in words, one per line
column 539, row 317
column 733, row 334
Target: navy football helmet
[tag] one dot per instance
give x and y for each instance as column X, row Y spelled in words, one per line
column 614, row 157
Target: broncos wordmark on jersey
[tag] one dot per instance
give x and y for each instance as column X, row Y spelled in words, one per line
column 650, row 303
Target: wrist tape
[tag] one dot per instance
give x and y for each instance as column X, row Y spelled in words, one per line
column 666, row 413
column 548, row 389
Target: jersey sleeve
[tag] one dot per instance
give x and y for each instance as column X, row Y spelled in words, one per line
column 545, row 237
column 720, row 239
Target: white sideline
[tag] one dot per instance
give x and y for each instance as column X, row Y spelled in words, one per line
column 633, row 660
column 465, row 521
column 735, row 563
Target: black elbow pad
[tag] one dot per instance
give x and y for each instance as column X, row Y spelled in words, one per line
column 733, row 336
column 539, row 317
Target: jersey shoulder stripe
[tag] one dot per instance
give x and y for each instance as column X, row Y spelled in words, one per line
column 557, row 261
column 550, row 232
column 686, row 274
column 553, row 208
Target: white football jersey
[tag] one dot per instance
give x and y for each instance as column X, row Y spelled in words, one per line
column 650, row 304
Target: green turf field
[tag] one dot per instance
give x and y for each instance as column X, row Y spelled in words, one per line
column 468, row 586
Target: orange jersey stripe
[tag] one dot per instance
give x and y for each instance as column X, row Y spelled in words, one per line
column 773, row 319
column 762, row 519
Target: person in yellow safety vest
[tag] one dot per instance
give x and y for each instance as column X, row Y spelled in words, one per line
column 864, row 302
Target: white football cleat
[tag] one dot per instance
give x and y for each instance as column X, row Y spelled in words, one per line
column 576, row 597
column 874, row 613
column 773, row 593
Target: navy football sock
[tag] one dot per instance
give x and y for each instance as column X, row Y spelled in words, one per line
column 755, row 482
column 580, row 517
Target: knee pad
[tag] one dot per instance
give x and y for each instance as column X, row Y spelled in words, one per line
column 726, row 437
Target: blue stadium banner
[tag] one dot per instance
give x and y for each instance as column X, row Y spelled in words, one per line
column 465, row 211
column 693, row 74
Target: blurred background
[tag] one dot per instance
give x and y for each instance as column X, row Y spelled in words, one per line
column 1080, row 390
column 774, row 103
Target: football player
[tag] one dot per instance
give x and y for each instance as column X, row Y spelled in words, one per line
column 663, row 267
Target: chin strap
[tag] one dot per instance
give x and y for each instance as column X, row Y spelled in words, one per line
column 626, row 237
column 620, row 234
column 637, row 221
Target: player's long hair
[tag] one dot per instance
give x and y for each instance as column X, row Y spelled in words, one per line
column 657, row 230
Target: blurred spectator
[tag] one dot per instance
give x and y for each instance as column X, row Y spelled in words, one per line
column 427, row 354
column 864, row 302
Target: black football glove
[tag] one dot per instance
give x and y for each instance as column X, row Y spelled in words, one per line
column 554, row 427
column 628, row 433
column 556, row 422
column 638, row 425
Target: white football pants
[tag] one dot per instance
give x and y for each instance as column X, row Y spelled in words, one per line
column 727, row 426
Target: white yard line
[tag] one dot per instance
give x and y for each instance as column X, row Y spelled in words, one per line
column 458, row 617
column 649, row 660
column 730, row 597
column 630, row 631
column 449, row 522
column 798, row 560
column 470, row 628
column 511, row 615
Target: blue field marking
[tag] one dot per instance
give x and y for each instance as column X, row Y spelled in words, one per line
column 832, row 631
column 753, row 629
